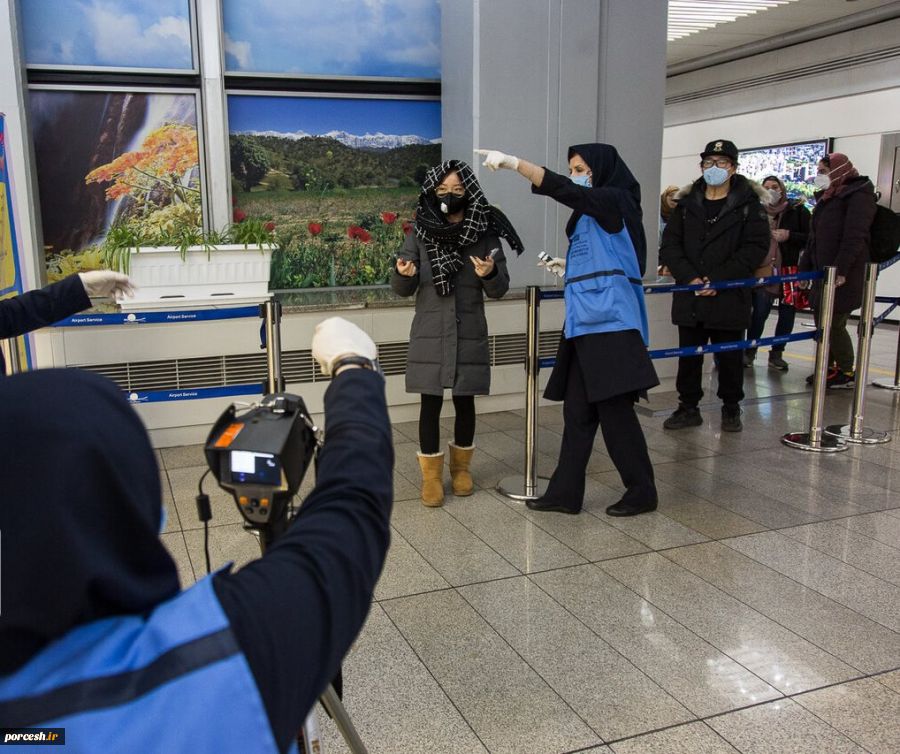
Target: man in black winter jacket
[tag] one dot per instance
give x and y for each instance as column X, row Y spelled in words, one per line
column 719, row 231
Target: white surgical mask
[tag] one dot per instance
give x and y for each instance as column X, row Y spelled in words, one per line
column 582, row 180
column 774, row 196
column 715, row 176
column 822, row 181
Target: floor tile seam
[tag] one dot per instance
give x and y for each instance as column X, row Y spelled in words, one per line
column 433, row 678
column 554, row 536
column 610, row 646
column 827, row 553
column 730, row 480
column 816, row 590
column 840, row 519
column 439, row 571
column 533, row 669
column 773, row 501
column 695, row 633
column 791, row 540
column 774, row 620
column 188, row 553
column 521, row 572
column 706, row 718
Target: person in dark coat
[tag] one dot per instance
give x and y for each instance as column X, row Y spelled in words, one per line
column 451, row 260
column 96, row 635
column 720, row 231
column 44, row 306
column 602, row 365
column 839, row 237
column 789, row 229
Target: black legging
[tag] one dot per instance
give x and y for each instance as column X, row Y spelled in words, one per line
column 430, row 422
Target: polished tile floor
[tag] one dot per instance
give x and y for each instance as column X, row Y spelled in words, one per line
column 758, row 610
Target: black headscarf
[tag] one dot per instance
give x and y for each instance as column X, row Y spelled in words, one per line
column 80, row 510
column 444, row 240
column 608, row 170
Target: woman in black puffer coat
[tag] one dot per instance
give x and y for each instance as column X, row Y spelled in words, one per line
column 451, row 260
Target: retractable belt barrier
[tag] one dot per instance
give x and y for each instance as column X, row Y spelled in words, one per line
column 270, row 340
column 529, row 486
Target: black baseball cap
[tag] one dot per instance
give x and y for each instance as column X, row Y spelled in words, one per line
column 720, row 147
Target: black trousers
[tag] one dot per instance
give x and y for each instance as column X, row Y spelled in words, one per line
column 622, row 434
column 430, row 422
column 690, row 368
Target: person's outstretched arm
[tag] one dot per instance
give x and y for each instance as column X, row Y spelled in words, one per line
column 44, row 306
column 296, row 611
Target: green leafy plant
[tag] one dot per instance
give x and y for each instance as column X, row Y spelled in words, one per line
column 122, row 237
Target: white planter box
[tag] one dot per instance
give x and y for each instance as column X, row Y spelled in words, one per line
column 232, row 275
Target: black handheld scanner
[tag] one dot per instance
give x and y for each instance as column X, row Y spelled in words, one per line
column 261, row 456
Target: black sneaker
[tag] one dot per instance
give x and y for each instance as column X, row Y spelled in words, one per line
column 810, row 378
column 749, row 357
column 684, row 416
column 841, row 380
column 776, row 362
column 731, row 419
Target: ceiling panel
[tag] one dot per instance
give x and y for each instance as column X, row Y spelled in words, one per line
column 794, row 16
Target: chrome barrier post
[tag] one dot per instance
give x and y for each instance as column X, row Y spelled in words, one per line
column 529, row 487
column 855, row 431
column 272, row 316
column 11, row 352
column 895, row 385
column 815, row 440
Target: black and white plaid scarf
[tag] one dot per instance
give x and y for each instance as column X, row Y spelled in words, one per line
column 443, row 241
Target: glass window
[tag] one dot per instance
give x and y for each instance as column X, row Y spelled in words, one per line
column 108, row 34
column 390, row 38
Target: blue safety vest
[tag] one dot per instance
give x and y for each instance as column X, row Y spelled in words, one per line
column 174, row 681
column 603, row 292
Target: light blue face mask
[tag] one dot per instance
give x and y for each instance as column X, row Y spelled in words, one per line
column 581, row 180
column 715, row 176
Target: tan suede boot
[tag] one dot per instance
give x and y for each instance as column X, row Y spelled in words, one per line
column 460, row 458
column 432, row 465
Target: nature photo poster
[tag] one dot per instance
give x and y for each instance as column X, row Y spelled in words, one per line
column 338, row 177
column 102, row 158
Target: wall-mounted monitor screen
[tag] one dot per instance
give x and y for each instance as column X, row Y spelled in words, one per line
column 794, row 163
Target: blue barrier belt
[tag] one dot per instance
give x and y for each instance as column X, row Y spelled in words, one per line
column 738, row 345
column 884, row 315
column 155, row 318
column 192, row 394
column 725, row 284
column 888, row 262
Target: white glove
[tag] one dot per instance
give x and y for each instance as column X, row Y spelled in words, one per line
column 106, row 283
column 494, row 159
column 335, row 338
column 556, row 265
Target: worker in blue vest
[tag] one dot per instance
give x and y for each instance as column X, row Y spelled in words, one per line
column 602, row 365
column 96, row 636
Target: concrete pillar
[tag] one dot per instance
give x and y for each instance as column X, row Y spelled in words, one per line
column 531, row 77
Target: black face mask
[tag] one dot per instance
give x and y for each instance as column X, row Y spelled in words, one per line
column 451, row 204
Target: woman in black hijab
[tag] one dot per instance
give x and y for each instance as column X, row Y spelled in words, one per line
column 602, row 366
